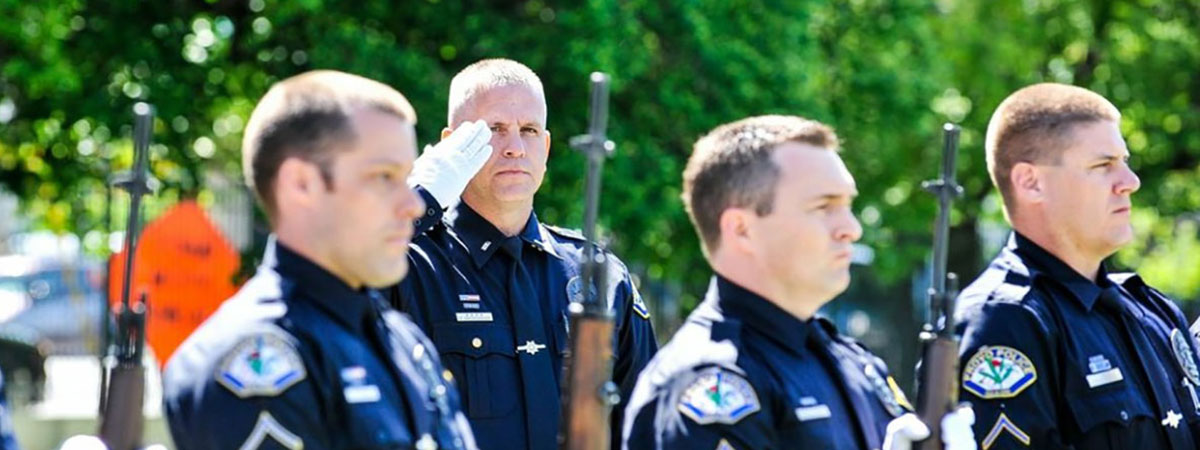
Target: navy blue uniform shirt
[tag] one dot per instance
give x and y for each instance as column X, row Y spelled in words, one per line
column 505, row 340
column 1051, row 359
column 742, row 373
column 299, row 359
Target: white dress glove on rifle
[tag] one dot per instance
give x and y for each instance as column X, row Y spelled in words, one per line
column 956, row 431
column 445, row 169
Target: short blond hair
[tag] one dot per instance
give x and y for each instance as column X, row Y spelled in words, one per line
column 484, row 75
column 302, row 116
column 1034, row 124
column 731, row 167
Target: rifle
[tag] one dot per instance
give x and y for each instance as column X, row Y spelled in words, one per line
column 589, row 393
column 937, row 389
column 121, row 402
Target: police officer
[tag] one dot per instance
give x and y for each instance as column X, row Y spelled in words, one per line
column 306, row 354
column 1056, row 351
column 754, row 367
column 491, row 283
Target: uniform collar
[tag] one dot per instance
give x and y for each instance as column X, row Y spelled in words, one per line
column 304, row 280
column 761, row 314
column 1043, row 264
column 483, row 239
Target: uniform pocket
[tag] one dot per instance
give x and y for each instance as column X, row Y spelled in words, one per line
column 482, row 358
column 1116, row 406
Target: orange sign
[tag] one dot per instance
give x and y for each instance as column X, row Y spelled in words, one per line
column 185, row 268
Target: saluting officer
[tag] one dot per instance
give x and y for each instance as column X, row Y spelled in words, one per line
column 307, row 354
column 754, row 367
column 491, row 283
column 1057, row 352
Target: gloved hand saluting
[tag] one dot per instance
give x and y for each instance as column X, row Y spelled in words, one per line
column 956, row 430
column 445, row 169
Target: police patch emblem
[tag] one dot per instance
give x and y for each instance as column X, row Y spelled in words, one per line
column 1185, row 356
column 260, row 365
column 883, row 390
column 639, row 306
column 718, row 396
column 575, row 290
column 998, row 372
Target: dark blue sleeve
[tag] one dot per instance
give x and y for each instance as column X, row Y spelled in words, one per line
column 635, row 346
column 212, row 416
column 658, row 424
column 432, row 215
column 1028, row 411
column 8, row 439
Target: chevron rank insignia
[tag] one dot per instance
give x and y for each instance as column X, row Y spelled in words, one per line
column 998, row 372
column 718, row 396
column 260, row 365
column 1004, row 425
column 268, row 427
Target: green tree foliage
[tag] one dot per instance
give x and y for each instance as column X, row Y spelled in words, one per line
column 885, row 73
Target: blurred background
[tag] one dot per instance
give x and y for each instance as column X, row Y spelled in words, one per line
column 885, row 73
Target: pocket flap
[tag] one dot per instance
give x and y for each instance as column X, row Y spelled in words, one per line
column 474, row 339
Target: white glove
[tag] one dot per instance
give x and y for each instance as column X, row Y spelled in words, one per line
column 956, row 431
column 445, row 169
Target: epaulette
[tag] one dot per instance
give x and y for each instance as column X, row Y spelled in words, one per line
column 1013, row 289
column 569, row 233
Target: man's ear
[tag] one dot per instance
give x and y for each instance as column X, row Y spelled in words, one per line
column 547, row 142
column 736, row 235
column 1027, row 183
column 297, row 183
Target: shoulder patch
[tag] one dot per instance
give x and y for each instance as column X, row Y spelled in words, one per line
column 887, row 391
column 260, row 365
column 639, row 306
column 718, row 396
column 1185, row 356
column 998, row 372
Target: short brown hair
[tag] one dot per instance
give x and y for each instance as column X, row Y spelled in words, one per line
column 1033, row 125
column 731, row 167
column 302, row 116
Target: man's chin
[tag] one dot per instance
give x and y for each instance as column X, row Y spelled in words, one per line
column 393, row 274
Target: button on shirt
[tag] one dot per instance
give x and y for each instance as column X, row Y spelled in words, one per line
column 299, row 359
column 744, row 373
column 1051, row 359
column 480, row 303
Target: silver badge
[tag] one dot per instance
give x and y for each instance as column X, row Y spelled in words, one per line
column 1185, row 356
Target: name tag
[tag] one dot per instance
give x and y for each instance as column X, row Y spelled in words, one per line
column 473, row 316
column 1109, row 376
column 361, row 394
column 807, row 413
